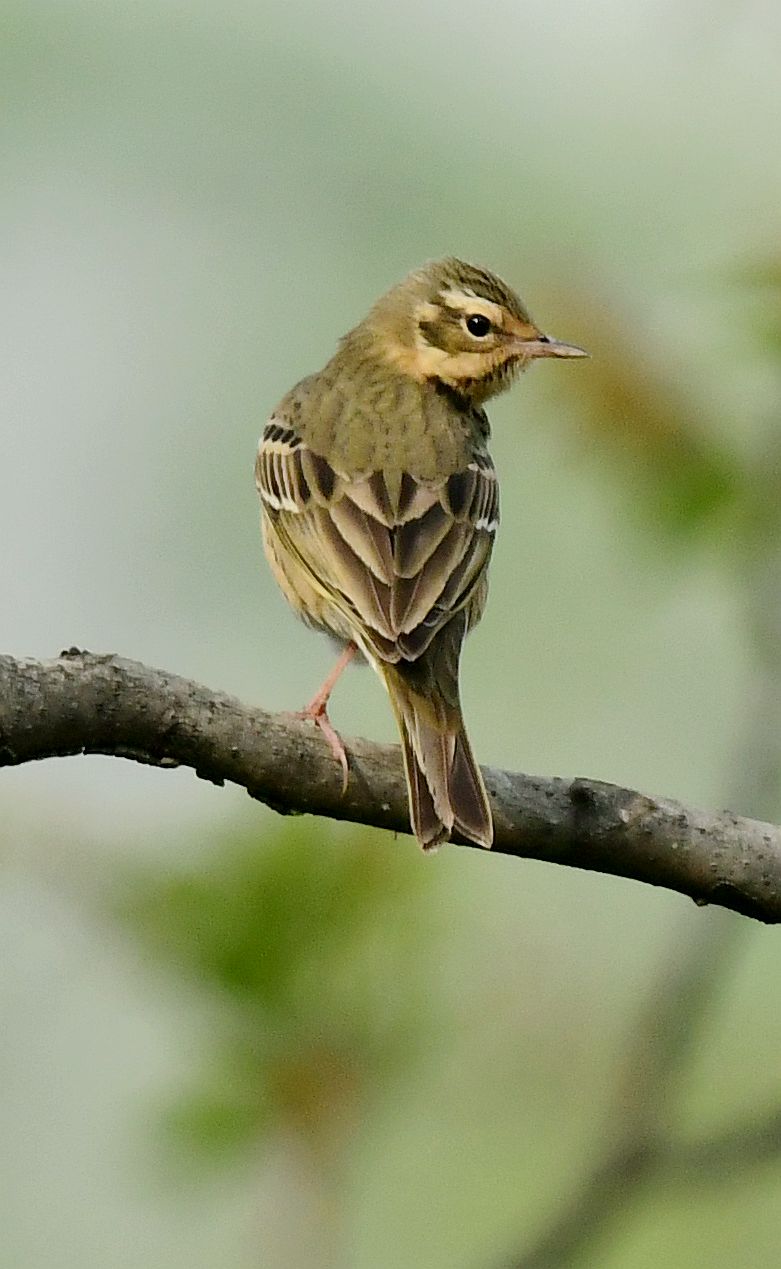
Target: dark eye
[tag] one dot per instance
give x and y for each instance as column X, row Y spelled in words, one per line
column 478, row 325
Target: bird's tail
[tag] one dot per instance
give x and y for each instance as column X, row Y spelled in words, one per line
column 445, row 787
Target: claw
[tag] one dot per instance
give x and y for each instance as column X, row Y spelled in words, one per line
column 317, row 711
column 318, row 714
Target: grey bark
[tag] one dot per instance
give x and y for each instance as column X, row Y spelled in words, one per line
column 89, row 703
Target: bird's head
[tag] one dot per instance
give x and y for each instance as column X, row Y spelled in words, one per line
column 461, row 325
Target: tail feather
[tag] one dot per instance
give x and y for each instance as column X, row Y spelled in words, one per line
column 444, row 783
column 469, row 799
column 427, row 823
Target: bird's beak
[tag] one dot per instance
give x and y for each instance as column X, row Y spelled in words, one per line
column 545, row 347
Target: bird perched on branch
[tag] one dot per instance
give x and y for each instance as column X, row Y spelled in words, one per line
column 380, row 504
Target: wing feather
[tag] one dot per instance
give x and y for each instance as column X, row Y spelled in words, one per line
column 417, row 540
column 369, row 538
column 344, row 571
column 394, row 560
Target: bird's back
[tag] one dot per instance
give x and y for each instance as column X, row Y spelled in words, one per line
column 365, row 416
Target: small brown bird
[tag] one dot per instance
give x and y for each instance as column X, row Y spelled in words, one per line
column 380, row 504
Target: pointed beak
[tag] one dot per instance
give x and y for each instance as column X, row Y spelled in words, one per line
column 545, row 347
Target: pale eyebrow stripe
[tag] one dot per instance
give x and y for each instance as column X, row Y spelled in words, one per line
column 465, row 301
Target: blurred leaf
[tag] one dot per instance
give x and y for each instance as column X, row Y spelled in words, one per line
column 763, row 276
column 314, row 949
column 635, row 411
column 212, row 1123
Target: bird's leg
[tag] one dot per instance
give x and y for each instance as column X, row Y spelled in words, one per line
column 317, row 710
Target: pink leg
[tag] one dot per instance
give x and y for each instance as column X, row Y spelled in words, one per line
column 317, row 710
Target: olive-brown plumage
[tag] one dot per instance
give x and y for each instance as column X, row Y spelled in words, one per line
column 380, row 505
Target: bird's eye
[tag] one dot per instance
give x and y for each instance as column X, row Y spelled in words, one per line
column 478, row 325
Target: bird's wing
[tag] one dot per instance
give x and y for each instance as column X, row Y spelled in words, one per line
column 397, row 557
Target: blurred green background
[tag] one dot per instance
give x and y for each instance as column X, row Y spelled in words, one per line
column 233, row 1040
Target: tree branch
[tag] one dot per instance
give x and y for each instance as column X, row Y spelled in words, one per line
column 88, row 703
column 721, row 1159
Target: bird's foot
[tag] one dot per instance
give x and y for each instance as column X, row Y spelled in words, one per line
column 318, row 713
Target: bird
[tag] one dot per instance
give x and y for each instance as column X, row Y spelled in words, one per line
column 379, row 510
